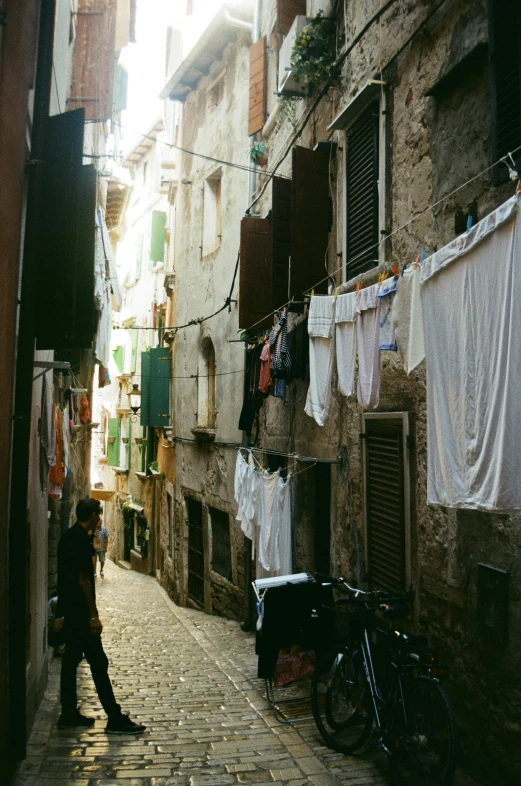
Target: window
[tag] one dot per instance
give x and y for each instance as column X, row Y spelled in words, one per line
column 505, row 76
column 212, row 213
column 221, row 550
column 387, row 500
column 215, row 91
column 206, row 410
column 362, row 192
column 287, row 10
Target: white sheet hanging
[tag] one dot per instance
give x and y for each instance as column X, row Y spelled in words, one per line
column 345, row 340
column 368, row 335
column 407, row 317
column 321, row 353
column 471, row 292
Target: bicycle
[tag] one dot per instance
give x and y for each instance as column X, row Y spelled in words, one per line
column 406, row 708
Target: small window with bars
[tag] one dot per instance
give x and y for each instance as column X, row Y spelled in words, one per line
column 362, row 192
column 387, row 500
column 505, row 82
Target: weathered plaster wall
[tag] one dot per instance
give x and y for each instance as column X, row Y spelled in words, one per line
column 205, row 469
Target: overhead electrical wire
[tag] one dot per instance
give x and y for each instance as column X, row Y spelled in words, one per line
column 205, row 157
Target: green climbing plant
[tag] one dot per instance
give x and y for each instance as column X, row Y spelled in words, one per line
column 314, row 52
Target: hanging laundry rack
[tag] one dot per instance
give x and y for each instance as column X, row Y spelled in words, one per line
column 295, row 456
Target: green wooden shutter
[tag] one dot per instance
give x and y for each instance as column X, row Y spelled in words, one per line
column 113, row 443
column 117, row 354
column 134, row 334
column 155, row 387
column 157, row 239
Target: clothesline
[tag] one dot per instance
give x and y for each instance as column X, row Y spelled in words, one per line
column 383, row 240
column 295, row 456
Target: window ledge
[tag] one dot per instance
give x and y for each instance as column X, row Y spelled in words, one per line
column 143, row 475
column 102, row 460
column 120, row 470
column 204, row 434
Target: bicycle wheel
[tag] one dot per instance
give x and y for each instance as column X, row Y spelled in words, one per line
column 341, row 703
column 422, row 738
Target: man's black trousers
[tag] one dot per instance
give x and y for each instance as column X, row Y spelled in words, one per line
column 78, row 644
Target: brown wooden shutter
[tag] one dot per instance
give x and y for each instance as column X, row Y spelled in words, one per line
column 287, row 10
column 281, row 224
column 255, row 276
column 257, row 106
column 93, row 64
column 310, row 221
column 385, row 505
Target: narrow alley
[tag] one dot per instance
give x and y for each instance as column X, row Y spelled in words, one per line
column 191, row 678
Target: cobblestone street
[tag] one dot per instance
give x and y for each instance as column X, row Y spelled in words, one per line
column 191, row 679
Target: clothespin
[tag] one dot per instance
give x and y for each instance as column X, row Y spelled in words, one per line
column 418, row 260
column 404, row 268
column 423, row 256
column 394, row 269
column 312, row 293
column 518, row 187
column 336, row 292
column 469, row 223
column 358, row 286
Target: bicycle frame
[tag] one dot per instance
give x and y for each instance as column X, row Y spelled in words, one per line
column 379, row 701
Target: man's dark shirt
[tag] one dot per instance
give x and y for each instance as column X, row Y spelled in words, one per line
column 74, row 560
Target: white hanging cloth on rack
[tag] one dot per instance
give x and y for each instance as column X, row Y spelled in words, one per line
column 321, row 354
column 345, row 340
column 368, row 335
column 471, row 293
column 407, row 315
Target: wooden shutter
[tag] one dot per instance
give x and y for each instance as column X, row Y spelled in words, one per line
column 258, row 95
column 311, row 215
column 281, row 226
column 117, row 354
column 287, row 10
column 505, row 73
column 66, row 315
column 93, row 63
column 385, row 505
column 362, row 225
column 255, row 273
column 155, row 387
column 157, row 237
column 113, row 442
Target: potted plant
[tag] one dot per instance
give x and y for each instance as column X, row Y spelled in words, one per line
column 314, row 52
column 259, row 154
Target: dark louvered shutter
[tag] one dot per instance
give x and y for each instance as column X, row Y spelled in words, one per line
column 362, row 193
column 281, row 225
column 66, row 315
column 310, row 221
column 385, row 505
column 287, row 10
column 255, row 273
column 155, row 387
column 505, row 73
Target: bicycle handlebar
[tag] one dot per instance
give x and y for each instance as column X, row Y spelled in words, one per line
column 384, row 600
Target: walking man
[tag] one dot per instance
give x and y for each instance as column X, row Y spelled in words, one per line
column 100, row 544
column 82, row 625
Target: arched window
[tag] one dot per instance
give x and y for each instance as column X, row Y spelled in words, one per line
column 206, row 386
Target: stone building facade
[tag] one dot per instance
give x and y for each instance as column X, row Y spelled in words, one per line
column 422, row 89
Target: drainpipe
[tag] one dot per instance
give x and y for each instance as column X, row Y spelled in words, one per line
column 241, row 23
column 255, row 35
column 249, row 601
